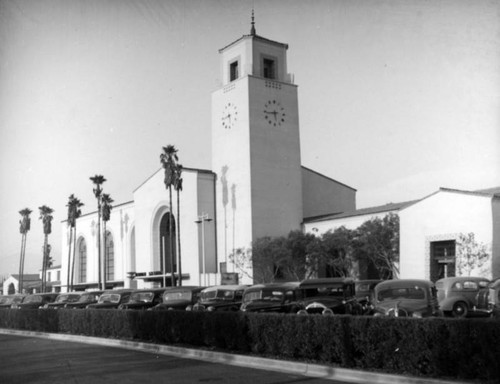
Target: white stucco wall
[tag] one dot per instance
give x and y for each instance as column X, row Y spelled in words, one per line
column 441, row 216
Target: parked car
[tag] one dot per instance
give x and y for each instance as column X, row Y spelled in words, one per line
column 364, row 294
column 62, row 299
column 35, row 301
column 8, row 300
column 85, row 299
column 329, row 296
column 220, row 298
column 406, row 298
column 273, row 297
column 463, row 296
column 111, row 299
column 494, row 298
column 179, row 298
column 144, row 299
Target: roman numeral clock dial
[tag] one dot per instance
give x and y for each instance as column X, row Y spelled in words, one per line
column 229, row 116
column 274, row 113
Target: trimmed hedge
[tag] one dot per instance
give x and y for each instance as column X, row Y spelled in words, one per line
column 438, row 347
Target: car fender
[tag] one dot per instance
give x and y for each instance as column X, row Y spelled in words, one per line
column 447, row 304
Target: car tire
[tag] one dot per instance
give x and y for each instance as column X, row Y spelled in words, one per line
column 459, row 309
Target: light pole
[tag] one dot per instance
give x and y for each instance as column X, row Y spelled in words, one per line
column 201, row 220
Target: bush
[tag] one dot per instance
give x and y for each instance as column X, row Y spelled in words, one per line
column 452, row 348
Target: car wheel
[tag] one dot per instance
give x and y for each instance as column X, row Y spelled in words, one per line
column 459, row 309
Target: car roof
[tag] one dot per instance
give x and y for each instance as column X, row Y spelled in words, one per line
column 399, row 283
column 326, row 281
column 184, row 288
column 119, row 290
column 451, row 280
column 228, row 287
column 286, row 285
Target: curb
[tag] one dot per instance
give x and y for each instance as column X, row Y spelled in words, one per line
column 299, row 368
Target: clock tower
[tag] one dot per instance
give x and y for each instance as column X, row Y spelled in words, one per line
column 255, row 146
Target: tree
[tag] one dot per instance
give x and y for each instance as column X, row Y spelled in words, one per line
column 337, row 251
column 169, row 160
column 98, row 180
column 24, row 227
column 46, row 217
column 178, row 189
column 377, row 242
column 74, row 213
column 471, row 254
column 106, row 208
column 302, row 256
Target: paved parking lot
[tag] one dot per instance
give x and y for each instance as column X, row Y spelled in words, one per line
column 40, row 360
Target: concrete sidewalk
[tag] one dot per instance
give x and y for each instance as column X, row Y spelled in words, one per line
column 305, row 369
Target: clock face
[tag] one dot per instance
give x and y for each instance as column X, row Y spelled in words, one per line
column 229, row 115
column 274, row 113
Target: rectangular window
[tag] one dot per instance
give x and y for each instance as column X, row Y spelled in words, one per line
column 269, row 69
column 442, row 259
column 233, row 71
column 58, row 275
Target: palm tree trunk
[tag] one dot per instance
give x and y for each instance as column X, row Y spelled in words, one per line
column 104, row 261
column 73, row 259
column 69, row 258
column 99, row 260
column 21, row 263
column 44, row 264
column 179, row 268
column 170, row 239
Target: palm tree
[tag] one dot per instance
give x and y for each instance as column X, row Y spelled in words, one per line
column 46, row 217
column 74, row 213
column 106, row 207
column 98, row 180
column 168, row 160
column 25, row 223
column 178, row 188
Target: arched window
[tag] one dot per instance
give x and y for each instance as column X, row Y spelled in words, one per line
column 110, row 257
column 82, row 261
column 167, row 243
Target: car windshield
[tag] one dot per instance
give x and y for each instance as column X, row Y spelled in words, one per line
column 409, row 293
column 109, row 298
column 86, row 297
column 222, row 294
column 33, row 299
column 178, row 295
column 264, row 294
column 4, row 300
column 67, row 298
column 145, row 297
column 334, row 291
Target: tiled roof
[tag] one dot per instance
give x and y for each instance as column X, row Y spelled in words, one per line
column 30, row 277
column 361, row 212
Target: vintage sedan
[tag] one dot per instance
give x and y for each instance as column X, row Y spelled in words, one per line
column 8, row 300
column 463, row 296
column 112, row 299
column 406, row 298
column 85, row 299
column 273, row 297
column 35, row 301
column 144, row 299
column 62, row 299
column 178, row 298
column 220, row 298
column 328, row 296
column 494, row 298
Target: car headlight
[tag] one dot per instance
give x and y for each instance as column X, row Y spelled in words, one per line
column 211, row 309
column 189, row 308
column 417, row 315
column 44, row 306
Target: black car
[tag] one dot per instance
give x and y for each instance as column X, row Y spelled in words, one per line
column 328, row 296
column 179, row 298
column 62, row 299
column 273, row 297
column 112, row 299
column 144, row 299
column 35, row 301
column 220, row 298
column 9, row 300
column 85, row 299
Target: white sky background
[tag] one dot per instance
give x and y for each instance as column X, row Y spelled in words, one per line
column 396, row 98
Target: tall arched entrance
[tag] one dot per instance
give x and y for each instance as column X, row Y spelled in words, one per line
column 167, row 243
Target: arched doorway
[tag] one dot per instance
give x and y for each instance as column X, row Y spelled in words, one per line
column 168, row 250
column 82, row 261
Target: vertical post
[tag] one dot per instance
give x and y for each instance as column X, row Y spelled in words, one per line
column 201, row 220
column 164, row 261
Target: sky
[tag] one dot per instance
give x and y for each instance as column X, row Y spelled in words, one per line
column 396, row 98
